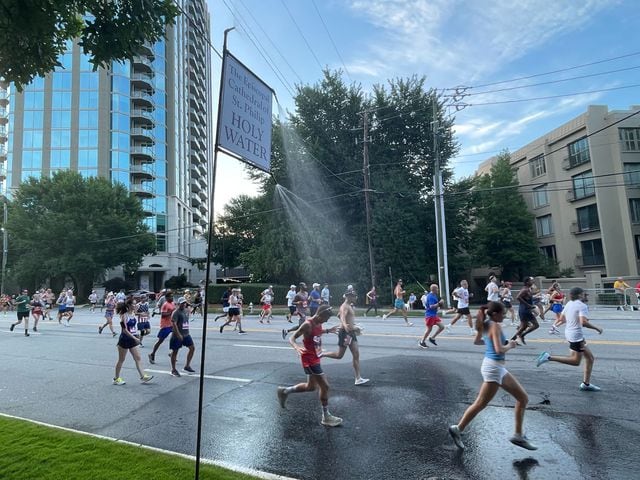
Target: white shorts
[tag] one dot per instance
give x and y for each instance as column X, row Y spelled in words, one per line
column 493, row 370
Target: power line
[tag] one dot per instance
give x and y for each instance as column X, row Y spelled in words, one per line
column 331, row 39
column 575, row 67
column 301, row 34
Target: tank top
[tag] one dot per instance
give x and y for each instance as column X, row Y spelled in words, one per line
column 132, row 325
column 490, row 351
column 110, row 306
column 313, row 346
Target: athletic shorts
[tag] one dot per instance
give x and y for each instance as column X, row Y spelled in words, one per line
column 314, row 369
column 399, row 304
column 345, row 338
column 313, row 310
column 431, row 321
column 108, row 314
column 577, row 346
column 526, row 317
column 144, row 325
column 301, row 318
column 165, row 332
column 234, row 311
column 125, row 341
column 22, row 315
column 464, row 311
column 556, row 308
column 266, row 307
column 292, row 309
column 69, row 309
column 62, row 308
column 507, row 304
column 493, row 371
column 175, row 344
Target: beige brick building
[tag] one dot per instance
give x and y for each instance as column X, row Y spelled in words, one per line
column 582, row 183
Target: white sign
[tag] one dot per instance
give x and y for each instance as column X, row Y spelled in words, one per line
column 245, row 115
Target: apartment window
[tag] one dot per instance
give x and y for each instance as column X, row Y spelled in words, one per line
column 61, row 119
column 33, row 119
column 61, row 100
column 549, row 251
column 637, row 241
column 634, row 208
column 62, row 81
column 540, row 197
column 89, row 99
column 632, row 174
column 32, row 160
column 630, row 138
column 537, row 166
column 579, row 152
column 60, row 159
column 588, row 218
column 33, row 100
column 592, row 253
column 88, row 119
column 60, row 139
column 544, row 226
column 583, row 185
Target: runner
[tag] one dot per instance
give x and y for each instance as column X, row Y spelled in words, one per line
column 128, row 341
column 266, row 300
column 462, row 295
column 93, row 301
column 576, row 315
column 315, row 299
column 62, row 306
column 70, row 306
column 399, row 304
column 291, row 294
column 556, row 300
column 301, row 302
column 372, row 296
column 528, row 322
column 493, row 292
column 22, row 311
column 235, row 305
column 494, row 375
column 311, row 332
column 180, row 336
column 36, row 306
column 142, row 312
column 109, row 309
column 325, row 294
column 433, row 303
column 165, row 323
column 506, row 297
column 348, row 336
column 49, row 299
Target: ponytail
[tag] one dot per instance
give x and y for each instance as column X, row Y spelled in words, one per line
column 485, row 313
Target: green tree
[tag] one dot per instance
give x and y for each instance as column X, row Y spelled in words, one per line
column 34, row 33
column 76, row 227
column 504, row 236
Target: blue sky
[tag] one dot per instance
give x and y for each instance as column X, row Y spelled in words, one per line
column 452, row 42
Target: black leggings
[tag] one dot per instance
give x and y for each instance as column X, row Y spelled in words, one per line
column 373, row 305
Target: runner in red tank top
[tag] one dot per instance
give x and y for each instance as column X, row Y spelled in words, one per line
column 310, row 352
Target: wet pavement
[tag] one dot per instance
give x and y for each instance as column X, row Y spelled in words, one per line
column 395, row 427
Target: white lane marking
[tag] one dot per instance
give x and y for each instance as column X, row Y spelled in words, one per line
column 211, row 377
column 218, row 463
column 262, row 346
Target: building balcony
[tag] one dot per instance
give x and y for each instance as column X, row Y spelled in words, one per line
column 143, row 134
column 143, row 81
column 3, row 172
column 142, row 61
column 195, row 185
column 195, row 201
column 143, row 153
column 142, row 99
column 143, row 189
column 3, row 153
column 576, row 230
column 4, row 116
column 195, row 173
column 589, row 262
column 573, row 196
column 142, row 172
column 146, row 50
column 4, row 97
column 141, row 114
column 4, row 134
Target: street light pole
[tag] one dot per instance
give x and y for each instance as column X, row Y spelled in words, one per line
column 5, row 243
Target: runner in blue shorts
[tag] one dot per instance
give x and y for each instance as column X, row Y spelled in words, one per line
column 180, row 337
column 398, row 304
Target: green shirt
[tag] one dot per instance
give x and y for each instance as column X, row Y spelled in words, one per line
column 22, row 307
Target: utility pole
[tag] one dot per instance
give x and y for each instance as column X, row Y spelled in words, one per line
column 438, row 202
column 365, row 174
column 5, row 242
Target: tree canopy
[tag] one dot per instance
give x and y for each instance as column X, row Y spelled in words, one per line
column 68, row 225
column 34, row 33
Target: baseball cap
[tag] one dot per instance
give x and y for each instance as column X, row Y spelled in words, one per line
column 292, row 286
column 349, row 287
column 182, row 300
column 316, row 285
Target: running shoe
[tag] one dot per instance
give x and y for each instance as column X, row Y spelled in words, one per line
column 241, row 332
column 361, row 381
column 152, row 359
column 589, row 388
column 523, row 442
column 187, row 368
column 35, row 329
column 422, row 344
column 431, row 340
column 384, row 317
column 175, row 373
column 221, row 328
column 284, row 333
column 100, row 330
column 282, row 396
column 26, row 334
column 456, row 434
column 118, row 381
column 522, row 340
column 12, row 327
column 448, row 328
column 113, row 334
column 542, row 358
column 330, row 420
column 409, row 324
column 472, row 331
column 146, row 378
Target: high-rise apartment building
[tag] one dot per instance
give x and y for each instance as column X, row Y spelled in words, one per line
column 145, row 122
column 582, row 183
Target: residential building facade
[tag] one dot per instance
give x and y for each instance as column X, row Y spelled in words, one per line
column 145, row 122
column 581, row 181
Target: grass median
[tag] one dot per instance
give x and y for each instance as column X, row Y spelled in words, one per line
column 36, row 452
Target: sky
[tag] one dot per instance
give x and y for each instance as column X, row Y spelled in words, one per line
column 454, row 43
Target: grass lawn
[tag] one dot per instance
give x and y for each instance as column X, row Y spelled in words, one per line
column 35, row 452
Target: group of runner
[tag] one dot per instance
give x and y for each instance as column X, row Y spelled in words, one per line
column 40, row 305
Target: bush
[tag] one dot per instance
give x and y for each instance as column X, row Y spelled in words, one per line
column 116, row 284
column 177, row 282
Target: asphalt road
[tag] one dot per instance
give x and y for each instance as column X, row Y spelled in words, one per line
column 395, row 427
